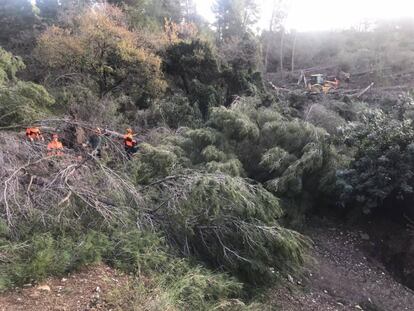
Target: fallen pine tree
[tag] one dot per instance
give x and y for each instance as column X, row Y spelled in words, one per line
column 223, row 221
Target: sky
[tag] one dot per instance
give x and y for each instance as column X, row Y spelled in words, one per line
column 314, row 15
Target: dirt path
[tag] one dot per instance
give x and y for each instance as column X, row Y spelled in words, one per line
column 86, row 290
column 344, row 277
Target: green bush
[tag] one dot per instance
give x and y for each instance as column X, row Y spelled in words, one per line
column 21, row 102
column 383, row 166
column 43, row 255
column 175, row 112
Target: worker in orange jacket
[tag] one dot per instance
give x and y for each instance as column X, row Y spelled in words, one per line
column 55, row 147
column 33, row 133
column 130, row 144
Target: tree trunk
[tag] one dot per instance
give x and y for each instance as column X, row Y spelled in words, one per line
column 268, row 38
column 185, row 83
column 293, row 53
column 282, row 41
column 266, row 63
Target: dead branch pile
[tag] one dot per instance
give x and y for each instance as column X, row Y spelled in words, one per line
column 32, row 183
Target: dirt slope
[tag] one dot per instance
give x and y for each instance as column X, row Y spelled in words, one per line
column 344, row 277
column 85, row 290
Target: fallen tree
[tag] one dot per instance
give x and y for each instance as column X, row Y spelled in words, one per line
column 224, row 221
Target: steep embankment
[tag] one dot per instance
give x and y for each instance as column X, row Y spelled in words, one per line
column 344, row 276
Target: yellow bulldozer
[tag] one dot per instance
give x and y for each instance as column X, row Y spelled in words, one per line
column 318, row 84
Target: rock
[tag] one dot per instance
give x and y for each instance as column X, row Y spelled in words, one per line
column 44, row 288
column 34, row 295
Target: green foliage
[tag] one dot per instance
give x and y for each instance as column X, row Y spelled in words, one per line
column 201, row 138
column 277, row 159
column 382, row 168
column 101, row 50
column 232, row 167
column 195, row 288
column 20, row 101
column 291, row 156
column 175, row 112
column 241, row 69
column 229, row 223
column 9, row 66
column 154, row 162
column 177, row 283
column 192, row 60
column 204, row 96
column 43, row 254
column 138, row 252
column 183, row 284
column 17, row 21
column 211, row 153
column 195, row 68
column 49, row 9
column 234, row 124
column 234, row 17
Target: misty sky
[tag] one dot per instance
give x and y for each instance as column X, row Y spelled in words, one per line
column 308, row 15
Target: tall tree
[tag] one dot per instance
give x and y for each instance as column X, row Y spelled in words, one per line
column 21, row 101
column 104, row 54
column 17, row 22
column 276, row 25
column 48, row 9
column 189, row 11
column 234, row 17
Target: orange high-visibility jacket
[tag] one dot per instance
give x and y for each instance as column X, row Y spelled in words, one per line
column 129, row 141
column 33, row 133
column 55, row 147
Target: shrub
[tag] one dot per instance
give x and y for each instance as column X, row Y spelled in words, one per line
column 176, row 112
column 21, row 102
column 100, row 49
column 44, row 254
column 383, row 165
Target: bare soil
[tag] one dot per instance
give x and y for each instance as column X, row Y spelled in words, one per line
column 85, row 290
column 343, row 276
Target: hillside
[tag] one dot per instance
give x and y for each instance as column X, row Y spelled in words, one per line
column 150, row 160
